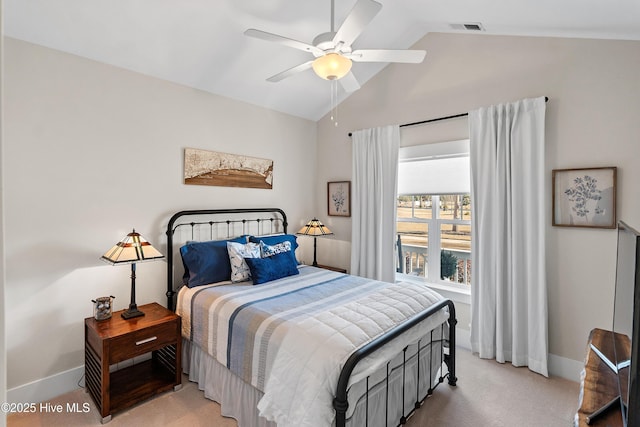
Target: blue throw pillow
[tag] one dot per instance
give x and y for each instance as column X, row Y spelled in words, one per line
column 280, row 238
column 207, row 262
column 271, row 268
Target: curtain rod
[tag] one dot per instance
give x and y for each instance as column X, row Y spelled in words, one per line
column 546, row 99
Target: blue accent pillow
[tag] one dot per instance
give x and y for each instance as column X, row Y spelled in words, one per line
column 207, row 262
column 280, row 238
column 271, row 268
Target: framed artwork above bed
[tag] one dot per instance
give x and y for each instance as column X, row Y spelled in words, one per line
column 339, row 198
column 202, row 167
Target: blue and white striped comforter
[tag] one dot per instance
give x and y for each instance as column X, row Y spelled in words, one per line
column 298, row 331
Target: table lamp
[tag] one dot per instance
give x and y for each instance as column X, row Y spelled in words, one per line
column 130, row 250
column 314, row 228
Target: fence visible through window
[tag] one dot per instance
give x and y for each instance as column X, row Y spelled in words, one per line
column 435, row 227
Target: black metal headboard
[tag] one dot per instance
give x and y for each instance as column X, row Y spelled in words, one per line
column 213, row 224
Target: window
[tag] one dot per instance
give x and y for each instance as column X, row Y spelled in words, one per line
column 434, row 214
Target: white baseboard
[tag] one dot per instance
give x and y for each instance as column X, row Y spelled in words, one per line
column 565, row 368
column 46, row 388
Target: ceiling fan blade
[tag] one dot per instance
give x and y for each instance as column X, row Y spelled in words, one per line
column 349, row 83
column 361, row 14
column 385, row 55
column 291, row 71
column 262, row 35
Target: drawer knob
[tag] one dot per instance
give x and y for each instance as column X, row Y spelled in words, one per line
column 146, row 340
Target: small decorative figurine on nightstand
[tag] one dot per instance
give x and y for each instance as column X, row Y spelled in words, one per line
column 102, row 307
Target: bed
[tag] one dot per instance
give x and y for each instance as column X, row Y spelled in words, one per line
column 297, row 345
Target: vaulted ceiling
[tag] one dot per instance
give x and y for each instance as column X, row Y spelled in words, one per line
column 200, row 43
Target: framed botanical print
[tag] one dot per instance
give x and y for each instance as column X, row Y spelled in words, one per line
column 339, row 198
column 584, row 197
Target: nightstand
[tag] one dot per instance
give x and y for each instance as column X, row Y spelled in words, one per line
column 107, row 342
column 327, row 267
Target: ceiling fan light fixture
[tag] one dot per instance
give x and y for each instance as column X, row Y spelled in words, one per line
column 332, row 66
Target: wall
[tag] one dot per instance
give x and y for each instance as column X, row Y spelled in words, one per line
column 593, row 87
column 92, row 151
column 3, row 353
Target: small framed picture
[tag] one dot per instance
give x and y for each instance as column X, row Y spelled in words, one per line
column 584, row 197
column 339, row 198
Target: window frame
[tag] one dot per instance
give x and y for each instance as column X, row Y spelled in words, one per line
column 455, row 291
column 434, row 231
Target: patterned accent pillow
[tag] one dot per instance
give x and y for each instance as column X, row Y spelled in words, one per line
column 270, row 250
column 237, row 253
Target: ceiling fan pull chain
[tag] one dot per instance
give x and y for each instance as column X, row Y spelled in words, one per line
column 331, row 83
column 334, row 101
column 333, row 16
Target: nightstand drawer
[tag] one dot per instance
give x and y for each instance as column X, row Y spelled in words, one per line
column 142, row 341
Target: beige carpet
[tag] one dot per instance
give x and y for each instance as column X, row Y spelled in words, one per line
column 488, row 394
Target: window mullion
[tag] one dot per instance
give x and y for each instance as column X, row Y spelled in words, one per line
column 434, row 240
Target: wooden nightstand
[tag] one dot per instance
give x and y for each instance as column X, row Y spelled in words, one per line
column 114, row 340
column 327, row 267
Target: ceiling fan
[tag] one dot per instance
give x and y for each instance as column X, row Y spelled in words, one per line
column 333, row 52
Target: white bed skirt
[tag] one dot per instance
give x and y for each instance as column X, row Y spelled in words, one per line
column 239, row 400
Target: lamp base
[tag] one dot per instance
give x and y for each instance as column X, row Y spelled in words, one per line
column 131, row 313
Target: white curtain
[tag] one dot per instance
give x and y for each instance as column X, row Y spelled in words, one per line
column 509, row 292
column 375, row 177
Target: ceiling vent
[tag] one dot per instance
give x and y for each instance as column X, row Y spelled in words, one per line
column 468, row 26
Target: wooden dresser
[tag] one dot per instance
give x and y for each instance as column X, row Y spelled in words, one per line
column 115, row 340
column 599, row 384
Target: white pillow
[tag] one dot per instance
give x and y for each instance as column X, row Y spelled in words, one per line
column 237, row 253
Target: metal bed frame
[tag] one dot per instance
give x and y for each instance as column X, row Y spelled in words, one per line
column 276, row 219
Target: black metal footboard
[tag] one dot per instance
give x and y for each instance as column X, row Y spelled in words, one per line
column 340, row 402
